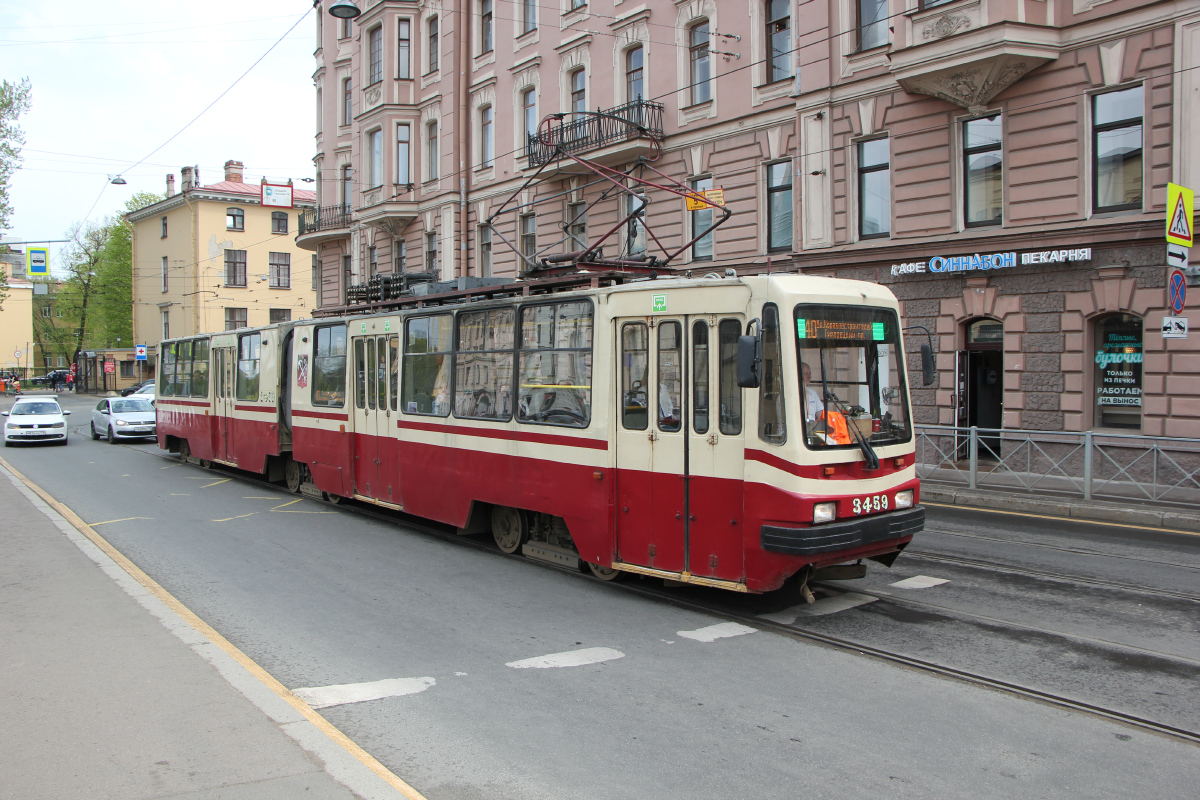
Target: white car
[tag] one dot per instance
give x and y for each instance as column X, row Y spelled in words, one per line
column 35, row 419
column 129, row 417
column 146, row 393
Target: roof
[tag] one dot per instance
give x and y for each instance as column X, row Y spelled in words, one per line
column 256, row 190
column 226, row 188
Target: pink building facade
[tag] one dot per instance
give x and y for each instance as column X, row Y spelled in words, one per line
column 1001, row 165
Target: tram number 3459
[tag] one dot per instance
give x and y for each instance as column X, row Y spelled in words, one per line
column 865, row 505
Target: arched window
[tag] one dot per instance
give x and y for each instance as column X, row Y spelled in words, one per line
column 235, row 219
column 634, row 89
column 578, row 91
column 1118, row 360
column 701, row 63
column 529, row 111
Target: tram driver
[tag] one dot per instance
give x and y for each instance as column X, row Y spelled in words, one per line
column 812, row 400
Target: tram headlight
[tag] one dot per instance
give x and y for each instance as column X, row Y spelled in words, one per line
column 904, row 499
column 824, row 512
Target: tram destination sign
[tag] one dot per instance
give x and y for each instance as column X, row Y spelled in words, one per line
column 988, row 261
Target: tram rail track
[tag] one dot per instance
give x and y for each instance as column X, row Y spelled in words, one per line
column 639, row 588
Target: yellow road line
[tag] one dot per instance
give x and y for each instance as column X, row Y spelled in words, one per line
column 255, row 497
column 1059, row 519
column 110, row 521
column 214, row 483
column 268, row 680
column 239, row 516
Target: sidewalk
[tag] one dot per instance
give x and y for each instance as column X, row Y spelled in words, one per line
column 104, row 700
column 1131, row 512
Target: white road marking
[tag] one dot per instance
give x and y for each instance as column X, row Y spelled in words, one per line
column 460, row 673
column 571, row 658
column 721, row 630
column 919, row 582
column 827, row 605
column 325, row 696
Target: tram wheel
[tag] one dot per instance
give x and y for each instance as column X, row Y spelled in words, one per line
column 293, row 475
column 334, row 498
column 605, row 573
column 510, row 528
column 185, row 452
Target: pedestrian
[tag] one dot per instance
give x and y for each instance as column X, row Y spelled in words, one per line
column 70, row 381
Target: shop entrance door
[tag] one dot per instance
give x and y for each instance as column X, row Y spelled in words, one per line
column 979, row 388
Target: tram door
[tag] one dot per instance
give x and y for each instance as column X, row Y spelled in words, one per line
column 669, row 451
column 375, row 385
column 224, row 366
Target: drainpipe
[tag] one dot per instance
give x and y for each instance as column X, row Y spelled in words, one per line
column 462, row 59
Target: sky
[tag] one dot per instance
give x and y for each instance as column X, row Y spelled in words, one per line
column 115, row 80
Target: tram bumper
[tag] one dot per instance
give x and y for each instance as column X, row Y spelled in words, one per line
column 845, row 535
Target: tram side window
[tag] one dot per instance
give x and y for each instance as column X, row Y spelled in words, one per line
column 393, row 369
column 772, row 425
column 483, row 365
column 200, row 352
column 167, row 373
column 360, row 373
column 183, row 370
column 329, row 367
column 247, row 367
column 635, row 360
column 428, row 351
column 730, row 394
column 670, row 376
column 556, row 364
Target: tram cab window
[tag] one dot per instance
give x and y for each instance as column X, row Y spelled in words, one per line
column 483, row 376
column 428, row 350
column 329, row 367
column 772, row 421
column 247, row 367
column 635, row 360
column 729, row 393
column 555, row 380
column 166, row 372
column 852, row 376
column 200, row 350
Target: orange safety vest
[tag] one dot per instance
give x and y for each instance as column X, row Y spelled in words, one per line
column 836, row 426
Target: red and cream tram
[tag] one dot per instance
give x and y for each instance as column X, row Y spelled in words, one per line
column 729, row 432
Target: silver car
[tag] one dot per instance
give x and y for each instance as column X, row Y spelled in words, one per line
column 35, row 419
column 123, row 418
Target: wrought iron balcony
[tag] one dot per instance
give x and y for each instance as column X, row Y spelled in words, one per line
column 324, row 218
column 591, row 130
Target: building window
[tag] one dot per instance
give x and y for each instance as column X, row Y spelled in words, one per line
column 316, row 272
column 58, row 311
column 577, row 225
column 166, row 323
column 779, row 206
column 347, row 29
column 579, row 91
column 633, row 74
column 279, row 222
column 528, row 233
column 280, row 315
column 874, row 189
column 485, row 251
column 164, row 273
column 529, row 111
column 578, row 4
column 47, row 311
column 486, row 37
column 1119, row 372
column 375, row 55
column 779, row 48
column 235, row 219
column 701, row 63
column 404, row 49
column 702, row 249
column 235, row 318
column 375, row 158
column 872, row 23
column 235, row 267
column 433, row 44
column 635, row 233
column 347, row 188
column 372, row 262
column 403, row 145
column 983, row 166
column 164, row 227
column 347, row 102
column 431, row 252
column 528, row 16
column 431, row 150
column 486, row 140
column 280, row 266
column 1117, row 148
column 400, row 257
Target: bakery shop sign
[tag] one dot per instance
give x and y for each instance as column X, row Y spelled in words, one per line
column 989, row 261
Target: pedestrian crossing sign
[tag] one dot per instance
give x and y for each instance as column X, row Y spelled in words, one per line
column 1180, row 228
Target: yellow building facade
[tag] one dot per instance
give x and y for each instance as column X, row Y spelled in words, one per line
column 16, row 319
column 213, row 258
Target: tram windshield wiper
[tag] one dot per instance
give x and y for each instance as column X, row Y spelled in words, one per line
column 869, row 454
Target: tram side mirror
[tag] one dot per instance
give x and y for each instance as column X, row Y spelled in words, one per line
column 928, row 370
column 749, row 356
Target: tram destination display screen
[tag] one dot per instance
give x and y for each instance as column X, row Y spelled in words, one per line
column 852, row 376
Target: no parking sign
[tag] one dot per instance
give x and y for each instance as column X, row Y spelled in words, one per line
column 1176, row 290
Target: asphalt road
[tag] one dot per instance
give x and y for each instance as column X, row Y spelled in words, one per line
column 474, row 675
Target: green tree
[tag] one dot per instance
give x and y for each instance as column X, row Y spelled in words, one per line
column 14, row 101
column 113, row 289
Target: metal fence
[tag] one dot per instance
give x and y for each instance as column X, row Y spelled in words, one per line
column 630, row 121
column 324, row 218
column 1085, row 464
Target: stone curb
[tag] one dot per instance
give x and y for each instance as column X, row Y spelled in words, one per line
column 1094, row 511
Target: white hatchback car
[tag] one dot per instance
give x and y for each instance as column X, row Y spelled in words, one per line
column 129, row 417
column 35, row 419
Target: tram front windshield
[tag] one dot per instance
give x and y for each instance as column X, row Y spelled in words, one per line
column 852, row 376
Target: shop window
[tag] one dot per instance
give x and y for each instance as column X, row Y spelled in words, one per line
column 1118, row 360
column 1117, row 150
column 983, row 168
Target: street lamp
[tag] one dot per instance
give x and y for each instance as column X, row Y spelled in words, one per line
column 117, row 180
column 344, row 9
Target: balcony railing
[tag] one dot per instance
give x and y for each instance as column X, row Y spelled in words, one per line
column 641, row 118
column 324, row 219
